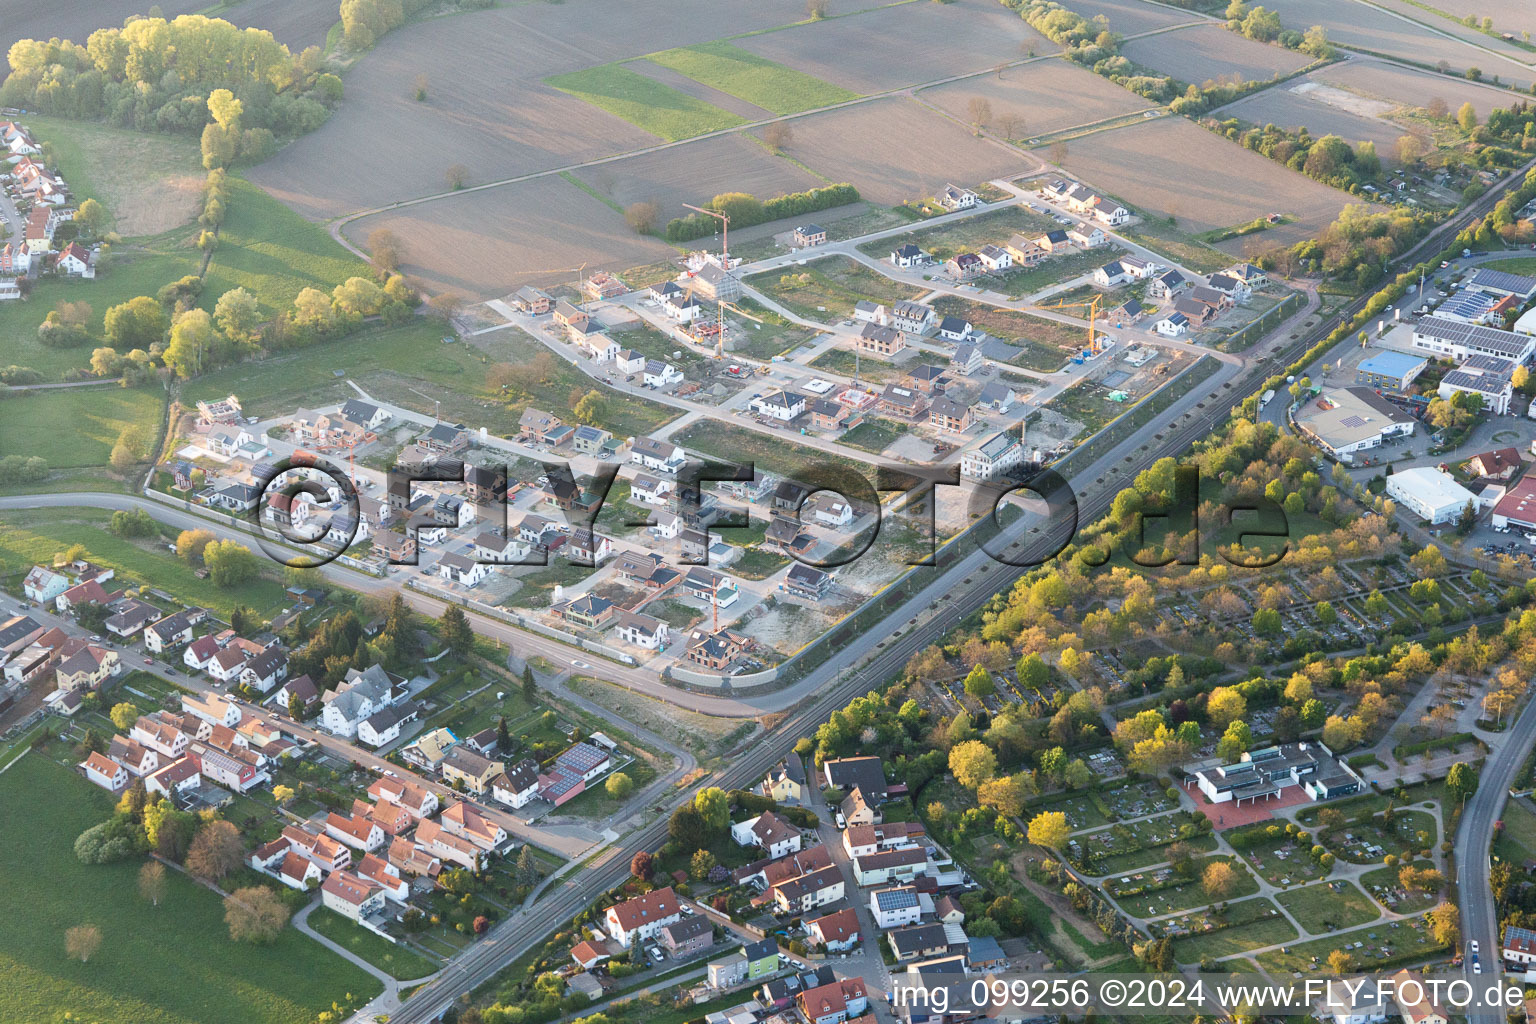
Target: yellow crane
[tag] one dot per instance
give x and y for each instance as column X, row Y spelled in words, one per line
column 1093, row 318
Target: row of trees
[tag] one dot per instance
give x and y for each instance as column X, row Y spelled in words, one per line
column 158, row 75
column 745, row 210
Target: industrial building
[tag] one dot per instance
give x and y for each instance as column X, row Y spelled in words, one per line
column 1391, row 370
column 1433, row 496
column 1344, row 421
column 1452, row 339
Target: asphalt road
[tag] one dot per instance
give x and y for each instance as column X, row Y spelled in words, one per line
column 1479, row 921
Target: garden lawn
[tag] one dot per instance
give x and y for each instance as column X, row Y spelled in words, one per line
column 755, row 79
column 171, row 964
column 27, row 538
column 406, row 363
column 72, row 428
column 399, row 962
column 1516, row 841
column 272, row 252
column 645, row 102
column 1329, row 906
column 873, row 436
column 779, row 456
column 965, row 234
column 828, row 288
column 1254, row 928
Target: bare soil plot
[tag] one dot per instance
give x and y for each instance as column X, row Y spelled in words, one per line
column 1209, row 51
column 1130, row 17
column 727, row 163
column 1050, row 96
column 1441, row 20
column 298, row 23
column 1172, row 167
column 26, row 19
column 1399, row 85
column 1359, row 24
column 1507, row 15
column 493, row 242
column 895, row 149
column 486, row 107
column 907, row 44
column 1299, row 105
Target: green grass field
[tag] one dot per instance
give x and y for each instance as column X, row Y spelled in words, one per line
column 399, row 962
column 133, row 269
column 264, row 247
column 272, row 252
column 644, row 102
column 76, row 427
column 755, row 79
column 779, row 456
column 147, row 181
column 170, row 964
column 827, row 289
column 407, row 364
column 1329, row 906
column 1386, row 941
column 34, row 536
column 1514, row 265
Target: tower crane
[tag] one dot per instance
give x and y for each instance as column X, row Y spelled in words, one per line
column 720, row 336
column 725, row 231
column 1093, row 317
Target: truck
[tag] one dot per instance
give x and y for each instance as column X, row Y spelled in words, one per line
column 1265, row 397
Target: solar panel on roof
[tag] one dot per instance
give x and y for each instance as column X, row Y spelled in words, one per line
column 1351, row 421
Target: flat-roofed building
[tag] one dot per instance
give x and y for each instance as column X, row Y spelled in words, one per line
column 1343, row 421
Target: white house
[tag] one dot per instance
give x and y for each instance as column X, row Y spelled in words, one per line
column 895, row 907
column 1172, row 325
column 778, row 405
column 643, row 631
column 642, row 917
column 775, row 836
column 456, row 568
column 1087, row 236
column 518, row 785
column 954, row 328
column 871, row 313
column 1108, row 212
column 212, row 708
column 1433, row 496
column 955, row 198
column 1355, row 1001
column 659, row 374
column 351, row 896
column 833, row 513
column 997, row 258
column 657, row 456
column 1111, row 274
column 681, row 306
column 504, row 550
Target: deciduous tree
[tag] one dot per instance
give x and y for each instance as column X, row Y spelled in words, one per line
column 254, row 914
column 216, row 851
column 82, row 941
column 152, row 882
column 1049, row 829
